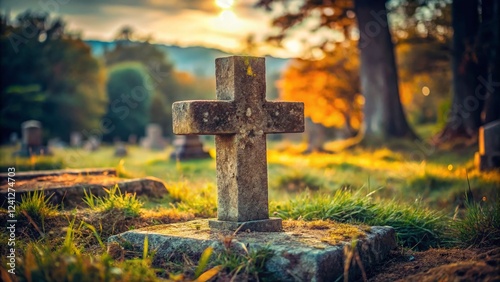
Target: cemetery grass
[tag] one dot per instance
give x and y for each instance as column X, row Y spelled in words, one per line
column 403, row 188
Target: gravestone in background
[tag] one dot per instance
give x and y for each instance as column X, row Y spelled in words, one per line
column 92, row 144
column 154, row 138
column 32, row 139
column 120, row 149
column 188, row 147
column 488, row 157
column 132, row 139
column 75, row 139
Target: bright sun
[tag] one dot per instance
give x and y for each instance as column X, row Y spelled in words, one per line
column 224, row 4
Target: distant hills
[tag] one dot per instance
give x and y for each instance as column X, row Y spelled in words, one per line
column 199, row 61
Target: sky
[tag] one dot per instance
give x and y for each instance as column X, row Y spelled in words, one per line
column 223, row 24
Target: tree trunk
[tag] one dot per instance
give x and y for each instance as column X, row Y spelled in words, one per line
column 468, row 95
column 491, row 23
column 384, row 118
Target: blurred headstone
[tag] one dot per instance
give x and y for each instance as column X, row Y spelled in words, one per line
column 75, row 139
column 56, row 143
column 120, row 149
column 92, row 144
column 188, row 147
column 154, row 138
column 13, row 138
column 132, row 139
column 488, row 157
column 32, row 140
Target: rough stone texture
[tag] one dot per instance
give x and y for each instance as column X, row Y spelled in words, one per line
column 71, row 195
column 188, row 147
column 262, row 225
column 488, row 157
column 297, row 256
column 240, row 118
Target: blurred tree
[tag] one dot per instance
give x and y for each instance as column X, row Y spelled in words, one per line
column 476, row 68
column 130, row 96
column 328, row 87
column 383, row 113
column 169, row 86
column 50, row 75
column 423, row 35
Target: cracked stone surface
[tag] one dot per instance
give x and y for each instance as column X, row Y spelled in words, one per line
column 240, row 118
column 298, row 254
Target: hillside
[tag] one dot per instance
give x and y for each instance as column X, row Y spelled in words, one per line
column 196, row 60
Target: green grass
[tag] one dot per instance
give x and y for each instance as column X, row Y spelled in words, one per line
column 115, row 201
column 415, row 226
column 479, row 227
column 35, row 207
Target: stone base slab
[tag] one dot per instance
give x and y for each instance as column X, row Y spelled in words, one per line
column 297, row 255
column 264, row 225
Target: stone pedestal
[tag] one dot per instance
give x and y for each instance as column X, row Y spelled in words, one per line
column 188, row 147
column 296, row 254
column 488, row 156
column 264, row 225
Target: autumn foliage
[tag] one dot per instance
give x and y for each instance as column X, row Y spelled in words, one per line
column 328, row 87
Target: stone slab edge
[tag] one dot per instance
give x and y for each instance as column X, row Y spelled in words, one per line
column 290, row 262
column 71, row 196
column 89, row 171
column 265, row 225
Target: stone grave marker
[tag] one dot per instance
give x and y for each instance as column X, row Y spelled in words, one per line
column 75, row 139
column 154, row 138
column 188, row 147
column 120, row 149
column 132, row 139
column 66, row 187
column 488, row 157
column 92, row 144
column 32, row 139
column 13, row 138
column 240, row 118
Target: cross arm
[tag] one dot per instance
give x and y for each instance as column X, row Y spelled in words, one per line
column 203, row 117
column 284, row 117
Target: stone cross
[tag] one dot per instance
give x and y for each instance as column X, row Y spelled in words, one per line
column 240, row 118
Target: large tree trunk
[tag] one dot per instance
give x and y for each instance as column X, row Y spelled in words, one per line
column 491, row 23
column 468, row 96
column 383, row 113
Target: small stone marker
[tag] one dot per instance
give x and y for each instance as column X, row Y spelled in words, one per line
column 92, row 144
column 188, row 147
column 240, row 118
column 75, row 139
column 32, row 139
column 120, row 149
column 154, row 138
column 488, row 157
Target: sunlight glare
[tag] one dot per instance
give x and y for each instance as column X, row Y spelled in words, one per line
column 224, row 4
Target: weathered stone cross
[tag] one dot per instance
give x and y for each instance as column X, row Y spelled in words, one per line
column 240, row 118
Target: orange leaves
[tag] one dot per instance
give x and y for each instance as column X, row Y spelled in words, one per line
column 329, row 87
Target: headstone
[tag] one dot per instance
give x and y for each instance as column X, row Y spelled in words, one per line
column 188, row 147
column 32, row 140
column 13, row 138
column 56, row 143
column 132, row 139
column 75, row 139
column 92, row 144
column 154, row 138
column 120, row 149
column 488, row 157
column 240, row 118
